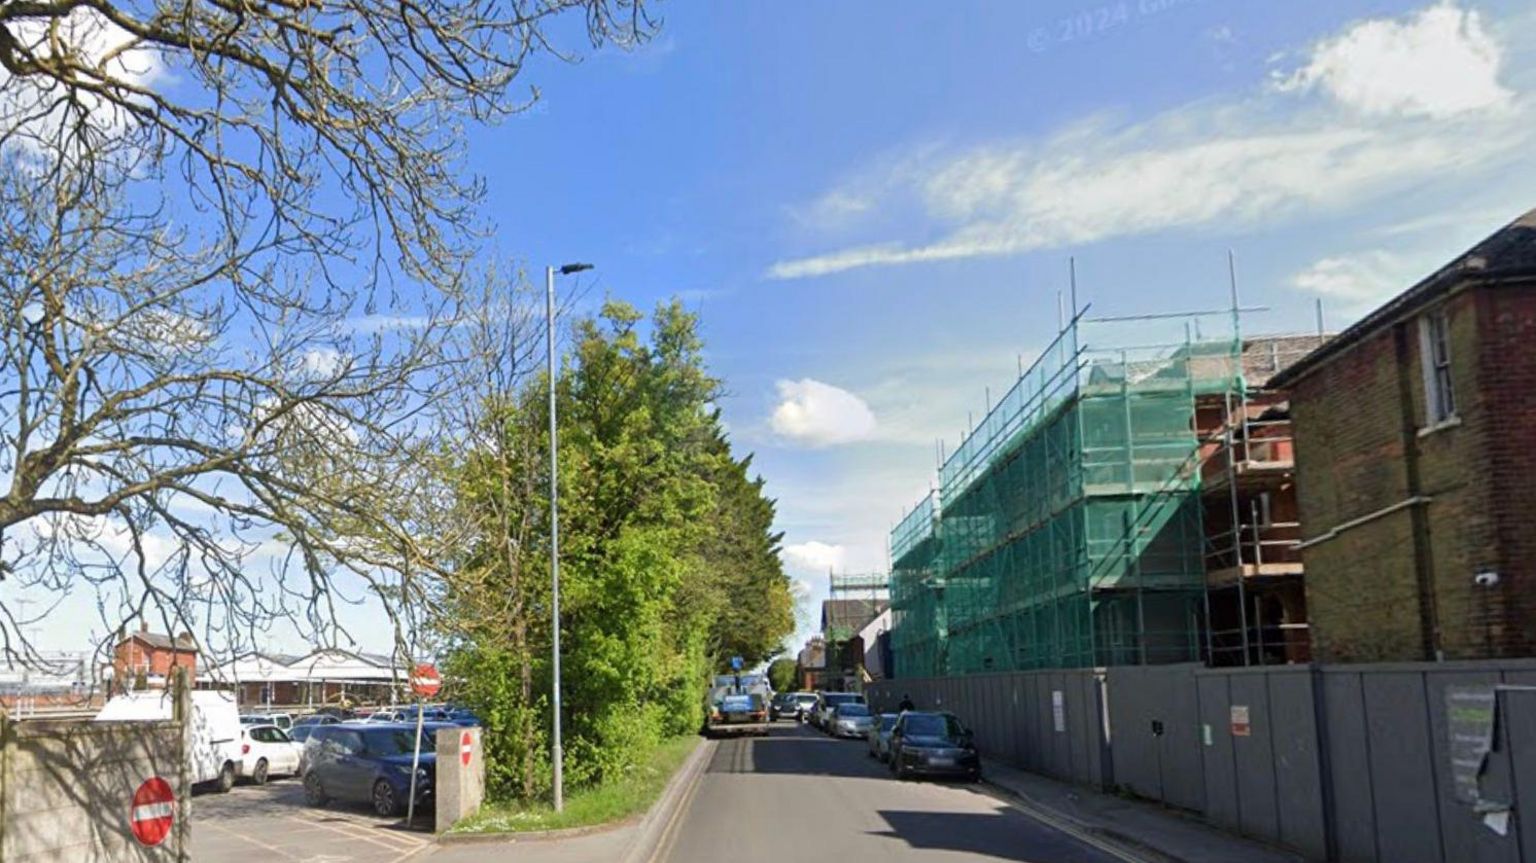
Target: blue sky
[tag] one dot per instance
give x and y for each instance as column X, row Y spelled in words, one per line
column 872, row 206
column 873, row 209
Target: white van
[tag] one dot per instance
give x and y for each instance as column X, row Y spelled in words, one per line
column 213, row 732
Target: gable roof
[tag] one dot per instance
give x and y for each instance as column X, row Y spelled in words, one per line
column 845, row 617
column 1508, row 253
column 162, row 642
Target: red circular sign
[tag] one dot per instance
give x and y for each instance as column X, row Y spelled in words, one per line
column 466, row 746
column 153, row 811
column 425, row 681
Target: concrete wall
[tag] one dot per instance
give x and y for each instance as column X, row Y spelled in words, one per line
column 67, row 788
column 460, row 788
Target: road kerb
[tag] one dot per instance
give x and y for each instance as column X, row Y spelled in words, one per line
column 660, row 823
column 1120, row 848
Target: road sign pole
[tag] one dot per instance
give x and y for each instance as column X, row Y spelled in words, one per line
column 410, row 806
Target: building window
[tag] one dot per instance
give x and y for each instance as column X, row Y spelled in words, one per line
column 1435, row 343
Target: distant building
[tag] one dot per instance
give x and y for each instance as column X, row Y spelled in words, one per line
column 328, row 676
column 875, row 641
column 811, row 664
column 842, row 622
column 1416, row 457
column 144, row 659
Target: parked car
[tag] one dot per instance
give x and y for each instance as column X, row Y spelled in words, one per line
column 879, row 736
column 805, row 703
column 933, row 744
column 212, row 735
column 315, row 719
column 852, row 720
column 782, row 705
column 266, row 750
column 367, row 762
column 281, row 720
column 463, row 717
column 826, row 702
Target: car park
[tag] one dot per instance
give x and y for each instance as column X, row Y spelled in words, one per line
column 366, row 762
column 851, row 719
column 933, row 744
column 826, row 702
column 879, row 737
column 265, row 751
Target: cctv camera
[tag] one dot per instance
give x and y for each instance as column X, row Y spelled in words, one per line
column 1486, row 579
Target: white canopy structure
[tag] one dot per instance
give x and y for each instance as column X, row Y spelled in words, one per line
column 326, row 675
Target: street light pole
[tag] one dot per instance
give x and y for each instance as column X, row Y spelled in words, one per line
column 557, row 752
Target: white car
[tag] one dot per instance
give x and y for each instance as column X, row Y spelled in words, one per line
column 266, row 750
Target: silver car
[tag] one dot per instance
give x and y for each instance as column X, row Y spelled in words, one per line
column 880, row 736
column 851, row 720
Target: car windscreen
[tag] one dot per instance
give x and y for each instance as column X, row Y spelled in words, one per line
column 845, row 710
column 806, row 699
column 932, row 725
column 836, row 698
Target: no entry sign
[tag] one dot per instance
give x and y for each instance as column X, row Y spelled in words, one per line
column 425, row 681
column 153, row 811
column 466, row 746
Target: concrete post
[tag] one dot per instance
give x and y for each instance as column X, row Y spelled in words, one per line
column 459, row 786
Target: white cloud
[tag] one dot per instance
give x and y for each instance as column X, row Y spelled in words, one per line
column 1439, row 62
column 35, row 105
column 814, row 557
column 819, row 414
column 322, row 362
column 1230, row 164
column 1361, row 278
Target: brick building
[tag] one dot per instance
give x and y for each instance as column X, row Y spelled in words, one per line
column 145, row 658
column 1253, row 569
column 1416, row 458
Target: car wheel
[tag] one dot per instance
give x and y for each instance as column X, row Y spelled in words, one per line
column 259, row 775
column 226, row 777
column 314, row 793
column 384, row 804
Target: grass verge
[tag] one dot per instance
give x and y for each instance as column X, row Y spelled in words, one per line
column 588, row 807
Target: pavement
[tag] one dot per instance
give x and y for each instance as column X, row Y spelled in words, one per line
column 1145, row 829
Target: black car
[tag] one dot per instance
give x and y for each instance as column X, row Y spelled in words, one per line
column 784, row 705
column 933, row 744
column 369, row 763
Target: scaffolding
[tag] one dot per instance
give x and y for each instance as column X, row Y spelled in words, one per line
column 1066, row 530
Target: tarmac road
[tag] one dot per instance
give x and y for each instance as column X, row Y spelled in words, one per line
column 797, row 795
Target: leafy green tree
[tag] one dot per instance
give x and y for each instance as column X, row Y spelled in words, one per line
column 781, row 674
column 669, row 562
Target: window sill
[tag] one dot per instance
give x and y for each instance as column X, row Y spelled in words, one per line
column 1449, row 422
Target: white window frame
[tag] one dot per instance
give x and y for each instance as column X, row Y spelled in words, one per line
column 1435, row 356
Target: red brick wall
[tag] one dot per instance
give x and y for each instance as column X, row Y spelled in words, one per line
column 132, row 655
column 1364, row 591
column 1507, row 356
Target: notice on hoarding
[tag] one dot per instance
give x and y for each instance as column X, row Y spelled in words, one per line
column 1059, row 709
column 1241, row 727
column 1470, row 715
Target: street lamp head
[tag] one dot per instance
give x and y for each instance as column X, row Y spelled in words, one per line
column 568, row 269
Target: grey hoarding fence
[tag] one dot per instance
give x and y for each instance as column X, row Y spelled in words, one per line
column 1397, row 763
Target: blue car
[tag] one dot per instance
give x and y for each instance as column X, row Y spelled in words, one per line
column 369, row 763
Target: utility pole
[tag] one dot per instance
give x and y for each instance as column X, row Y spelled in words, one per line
column 557, row 752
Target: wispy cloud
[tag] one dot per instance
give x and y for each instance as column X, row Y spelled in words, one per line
column 1334, row 133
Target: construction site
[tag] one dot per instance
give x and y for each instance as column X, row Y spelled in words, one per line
column 1129, row 500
